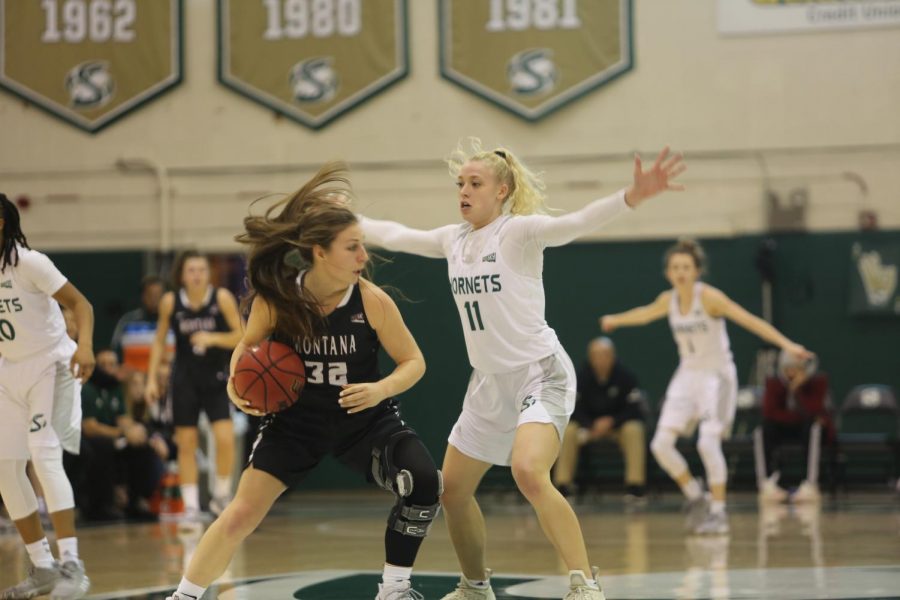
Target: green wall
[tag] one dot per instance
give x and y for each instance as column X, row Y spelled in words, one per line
column 584, row 281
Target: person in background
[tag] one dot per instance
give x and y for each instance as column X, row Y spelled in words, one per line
column 793, row 402
column 608, row 406
column 133, row 335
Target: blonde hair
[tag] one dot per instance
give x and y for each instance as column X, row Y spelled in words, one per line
column 526, row 189
column 692, row 248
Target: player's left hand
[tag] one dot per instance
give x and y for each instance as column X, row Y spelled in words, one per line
column 201, row 340
column 357, row 397
column 658, row 179
column 82, row 363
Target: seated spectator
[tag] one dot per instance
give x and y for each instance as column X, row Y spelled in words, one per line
column 134, row 332
column 607, row 407
column 793, row 402
column 120, row 465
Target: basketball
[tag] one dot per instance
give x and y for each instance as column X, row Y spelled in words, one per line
column 269, row 376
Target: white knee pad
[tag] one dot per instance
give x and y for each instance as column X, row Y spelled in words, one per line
column 663, row 448
column 709, row 445
column 16, row 490
column 49, row 468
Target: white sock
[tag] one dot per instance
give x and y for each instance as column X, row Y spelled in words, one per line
column 68, row 549
column 191, row 590
column 394, row 574
column 717, row 507
column 692, row 489
column 39, row 553
column 222, row 487
column 190, row 493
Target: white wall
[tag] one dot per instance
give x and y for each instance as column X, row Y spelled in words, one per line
column 806, row 108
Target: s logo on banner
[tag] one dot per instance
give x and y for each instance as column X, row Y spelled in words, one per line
column 531, row 57
column 311, row 60
column 90, row 62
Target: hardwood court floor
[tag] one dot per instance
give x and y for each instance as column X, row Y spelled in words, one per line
column 848, row 548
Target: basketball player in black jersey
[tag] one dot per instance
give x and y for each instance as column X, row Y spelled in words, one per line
column 337, row 322
column 207, row 325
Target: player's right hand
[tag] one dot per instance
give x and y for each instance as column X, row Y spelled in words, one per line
column 607, row 324
column 243, row 405
column 151, row 392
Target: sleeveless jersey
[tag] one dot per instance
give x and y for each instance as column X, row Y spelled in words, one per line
column 30, row 319
column 702, row 339
column 502, row 312
column 199, row 365
column 345, row 352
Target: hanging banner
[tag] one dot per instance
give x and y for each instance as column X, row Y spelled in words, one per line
column 312, row 60
column 873, row 278
column 532, row 57
column 775, row 16
column 90, row 62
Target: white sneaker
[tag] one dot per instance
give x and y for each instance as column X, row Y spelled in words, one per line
column 400, row 590
column 217, row 505
column 579, row 588
column 38, row 582
column 807, row 492
column 73, row 584
column 713, row 524
column 771, row 491
column 696, row 511
column 465, row 590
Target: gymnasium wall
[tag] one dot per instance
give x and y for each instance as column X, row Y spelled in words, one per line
column 584, row 281
column 780, row 112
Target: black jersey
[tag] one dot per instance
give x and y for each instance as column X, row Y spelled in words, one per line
column 208, row 364
column 346, row 352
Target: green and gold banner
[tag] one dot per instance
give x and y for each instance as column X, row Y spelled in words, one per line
column 873, row 278
column 532, row 57
column 312, row 60
column 90, row 62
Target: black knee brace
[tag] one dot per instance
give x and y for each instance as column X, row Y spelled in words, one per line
column 408, row 519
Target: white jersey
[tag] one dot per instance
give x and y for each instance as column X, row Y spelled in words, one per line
column 30, row 319
column 702, row 339
column 502, row 311
column 496, row 276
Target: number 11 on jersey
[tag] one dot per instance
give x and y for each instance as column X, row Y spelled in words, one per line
column 474, row 314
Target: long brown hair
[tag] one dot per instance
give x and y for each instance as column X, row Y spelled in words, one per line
column 281, row 243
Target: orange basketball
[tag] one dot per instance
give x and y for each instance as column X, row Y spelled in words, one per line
column 269, row 376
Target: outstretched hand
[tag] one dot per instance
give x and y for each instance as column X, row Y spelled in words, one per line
column 658, row 179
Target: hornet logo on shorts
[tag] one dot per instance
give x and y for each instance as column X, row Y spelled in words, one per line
column 314, row 80
column 90, row 84
column 528, row 402
column 532, row 72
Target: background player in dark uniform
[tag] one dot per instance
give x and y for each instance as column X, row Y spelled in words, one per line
column 207, row 324
column 337, row 322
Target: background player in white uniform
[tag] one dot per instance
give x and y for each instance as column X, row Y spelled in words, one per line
column 40, row 405
column 522, row 389
column 704, row 387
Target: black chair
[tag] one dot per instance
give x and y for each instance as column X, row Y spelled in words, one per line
column 601, row 463
column 869, row 435
column 739, row 447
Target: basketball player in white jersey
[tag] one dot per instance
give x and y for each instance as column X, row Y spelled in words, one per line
column 41, row 371
column 704, row 387
column 522, row 389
